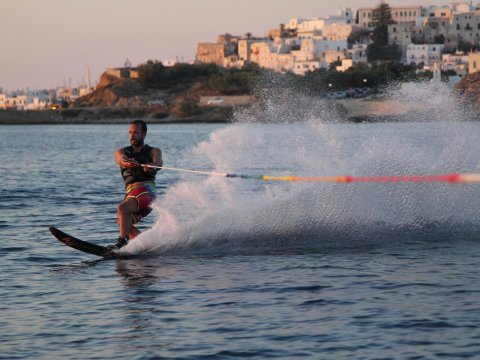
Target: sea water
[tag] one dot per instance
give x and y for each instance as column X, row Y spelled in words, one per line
column 240, row 267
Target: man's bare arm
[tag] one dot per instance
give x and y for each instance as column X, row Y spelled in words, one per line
column 120, row 159
column 157, row 157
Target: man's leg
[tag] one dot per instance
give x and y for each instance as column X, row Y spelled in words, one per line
column 125, row 215
column 133, row 232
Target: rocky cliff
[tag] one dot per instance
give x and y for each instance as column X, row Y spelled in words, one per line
column 123, row 98
column 113, row 92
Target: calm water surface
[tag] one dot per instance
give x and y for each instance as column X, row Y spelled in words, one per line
column 404, row 282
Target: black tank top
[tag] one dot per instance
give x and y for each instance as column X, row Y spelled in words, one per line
column 136, row 174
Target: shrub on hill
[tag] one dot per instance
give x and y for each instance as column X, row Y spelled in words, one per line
column 321, row 81
column 231, row 82
column 153, row 74
column 216, row 80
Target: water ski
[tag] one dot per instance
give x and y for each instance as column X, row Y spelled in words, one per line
column 84, row 246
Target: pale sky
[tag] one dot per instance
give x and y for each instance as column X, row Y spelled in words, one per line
column 46, row 43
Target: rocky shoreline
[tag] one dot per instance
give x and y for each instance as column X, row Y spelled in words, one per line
column 105, row 116
column 351, row 110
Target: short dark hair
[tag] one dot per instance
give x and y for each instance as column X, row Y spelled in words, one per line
column 141, row 123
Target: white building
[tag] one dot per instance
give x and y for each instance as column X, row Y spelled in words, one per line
column 337, row 31
column 466, row 26
column 313, row 48
column 400, row 35
column 245, row 48
column 13, row 101
column 443, row 11
column 302, row 67
column 28, row 100
column 400, row 14
column 358, row 53
column 272, row 56
column 426, row 54
column 457, row 62
column 37, row 100
column 344, row 16
column 307, row 25
column 462, row 7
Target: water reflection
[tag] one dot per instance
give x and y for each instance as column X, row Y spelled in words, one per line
column 143, row 271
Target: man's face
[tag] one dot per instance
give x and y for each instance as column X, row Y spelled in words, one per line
column 136, row 135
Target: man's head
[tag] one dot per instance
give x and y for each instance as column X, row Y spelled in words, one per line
column 137, row 132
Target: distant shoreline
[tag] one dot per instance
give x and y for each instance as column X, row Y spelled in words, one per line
column 351, row 110
column 31, row 117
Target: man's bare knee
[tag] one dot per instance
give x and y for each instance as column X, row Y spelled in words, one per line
column 122, row 208
column 126, row 207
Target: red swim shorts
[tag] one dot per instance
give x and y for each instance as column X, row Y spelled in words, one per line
column 144, row 193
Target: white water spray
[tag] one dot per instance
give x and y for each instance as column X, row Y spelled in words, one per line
column 211, row 214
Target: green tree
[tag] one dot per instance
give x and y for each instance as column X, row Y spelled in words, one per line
column 152, row 72
column 382, row 17
column 231, row 82
column 380, row 50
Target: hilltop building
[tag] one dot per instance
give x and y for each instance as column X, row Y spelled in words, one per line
column 400, row 15
column 222, row 52
column 123, row 73
column 422, row 34
column 466, row 27
column 426, row 54
column 300, row 46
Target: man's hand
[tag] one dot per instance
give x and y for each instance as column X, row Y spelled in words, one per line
column 150, row 170
column 129, row 163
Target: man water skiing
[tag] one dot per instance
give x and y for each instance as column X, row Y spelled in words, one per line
column 139, row 181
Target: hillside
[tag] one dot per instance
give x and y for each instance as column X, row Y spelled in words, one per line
column 112, row 92
column 127, row 98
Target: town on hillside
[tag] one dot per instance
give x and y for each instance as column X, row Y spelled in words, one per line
column 446, row 36
column 441, row 39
